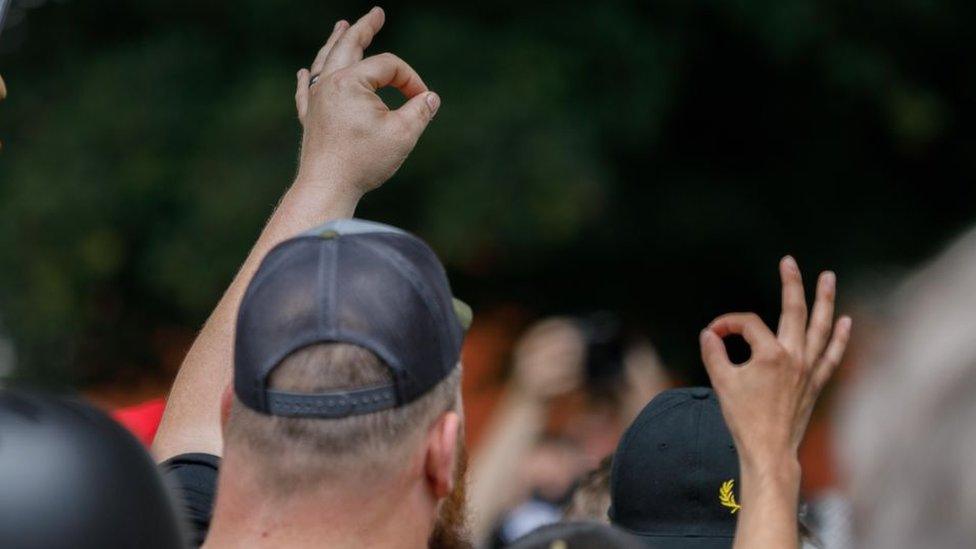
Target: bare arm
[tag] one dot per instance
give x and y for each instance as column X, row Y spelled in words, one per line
column 547, row 362
column 351, row 144
column 767, row 401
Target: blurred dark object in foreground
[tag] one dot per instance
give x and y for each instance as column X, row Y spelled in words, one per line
column 72, row 477
column 578, row 535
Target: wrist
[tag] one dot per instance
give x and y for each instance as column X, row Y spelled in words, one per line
column 308, row 203
column 324, row 175
column 320, row 165
column 782, row 469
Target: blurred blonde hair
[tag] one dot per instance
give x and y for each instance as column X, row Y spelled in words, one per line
column 908, row 430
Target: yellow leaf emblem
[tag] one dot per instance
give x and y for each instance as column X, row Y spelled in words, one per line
column 727, row 497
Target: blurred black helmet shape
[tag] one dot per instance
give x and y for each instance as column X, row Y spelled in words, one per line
column 72, row 477
column 577, row 535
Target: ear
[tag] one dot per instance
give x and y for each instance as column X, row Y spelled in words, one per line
column 442, row 454
column 226, row 399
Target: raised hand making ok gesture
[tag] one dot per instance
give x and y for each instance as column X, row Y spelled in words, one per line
column 352, row 143
column 767, row 401
column 771, row 396
column 350, row 134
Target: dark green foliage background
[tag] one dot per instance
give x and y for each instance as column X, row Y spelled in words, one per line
column 654, row 157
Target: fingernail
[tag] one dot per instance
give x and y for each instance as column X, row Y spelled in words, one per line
column 337, row 25
column 433, row 102
column 704, row 335
column 791, row 263
column 830, row 280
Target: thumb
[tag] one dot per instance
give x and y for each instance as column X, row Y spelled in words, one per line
column 417, row 113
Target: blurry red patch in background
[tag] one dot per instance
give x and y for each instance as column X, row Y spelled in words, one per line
column 143, row 419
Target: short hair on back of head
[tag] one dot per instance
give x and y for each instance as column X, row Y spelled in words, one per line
column 294, row 454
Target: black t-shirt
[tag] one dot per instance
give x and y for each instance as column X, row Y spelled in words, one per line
column 193, row 479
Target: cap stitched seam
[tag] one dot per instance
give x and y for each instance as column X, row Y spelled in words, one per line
column 635, row 429
column 271, row 261
column 427, row 296
column 412, row 276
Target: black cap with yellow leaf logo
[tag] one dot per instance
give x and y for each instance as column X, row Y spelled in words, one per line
column 675, row 473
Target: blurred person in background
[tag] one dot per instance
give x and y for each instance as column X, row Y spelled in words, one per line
column 908, row 428
column 350, row 438
column 591, row 498
column 525, row 469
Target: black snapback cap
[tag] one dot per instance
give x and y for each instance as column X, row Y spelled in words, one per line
column 674, row 480
column 348, row 281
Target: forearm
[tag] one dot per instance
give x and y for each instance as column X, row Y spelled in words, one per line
column 769, row 497
column 191, row 422
column 494, row 481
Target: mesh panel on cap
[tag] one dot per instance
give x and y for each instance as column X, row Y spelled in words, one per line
column 278, row 315
column 382, row 289
column 411, row 304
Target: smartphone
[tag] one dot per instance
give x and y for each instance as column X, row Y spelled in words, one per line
column 604, row 337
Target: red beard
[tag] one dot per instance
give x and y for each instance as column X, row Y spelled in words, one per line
column 451, row 528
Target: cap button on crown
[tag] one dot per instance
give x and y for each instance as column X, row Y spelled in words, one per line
column 700, row 393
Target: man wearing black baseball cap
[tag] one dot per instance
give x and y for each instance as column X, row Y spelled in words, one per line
column 675, row 473
column 336, row 351
column 704, row 469
column 345, row 423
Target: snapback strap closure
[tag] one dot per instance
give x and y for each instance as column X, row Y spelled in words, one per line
column 332, row 405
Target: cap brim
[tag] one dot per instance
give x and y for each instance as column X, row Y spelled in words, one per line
column 685, row 542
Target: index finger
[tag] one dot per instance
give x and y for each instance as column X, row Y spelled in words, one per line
column 387, row 69
column 349, row 48
column 748, row 325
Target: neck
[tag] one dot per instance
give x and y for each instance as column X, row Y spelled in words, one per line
column 395, row 514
